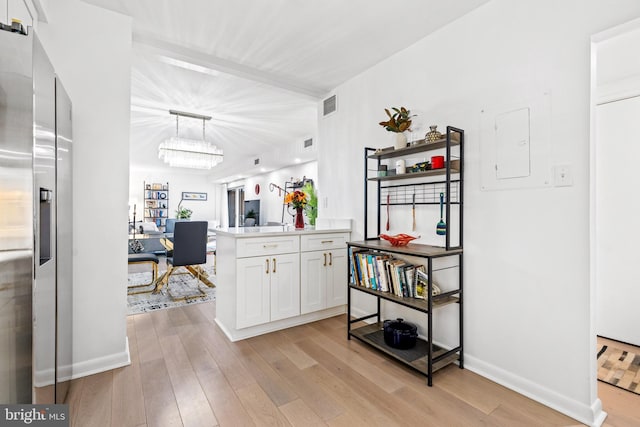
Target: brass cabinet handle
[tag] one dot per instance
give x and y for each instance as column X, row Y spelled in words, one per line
column 330, row 258
column 274, row 265
column 267, row 261
column 275, row 245
column 325, row 259
column 327, row 241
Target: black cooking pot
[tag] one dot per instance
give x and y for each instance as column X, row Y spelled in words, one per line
column 398, row 334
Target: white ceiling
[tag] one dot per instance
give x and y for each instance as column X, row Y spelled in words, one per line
column 258, row 67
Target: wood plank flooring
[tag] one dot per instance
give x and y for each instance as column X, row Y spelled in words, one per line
column 185, row 372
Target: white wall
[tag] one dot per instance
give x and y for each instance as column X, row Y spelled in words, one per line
column 271, row 201
column 527, row 294
column 90, row 49
column 179, row 182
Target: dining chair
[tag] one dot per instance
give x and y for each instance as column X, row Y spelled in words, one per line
column 189, row 251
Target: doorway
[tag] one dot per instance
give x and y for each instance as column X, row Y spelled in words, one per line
column 614, row 203
column 235, row 204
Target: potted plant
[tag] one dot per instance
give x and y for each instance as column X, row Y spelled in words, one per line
column 398, row 122
column 311, row 208
column 184, row 213
column 250, row 218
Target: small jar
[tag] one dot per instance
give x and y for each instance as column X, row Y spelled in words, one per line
column 400, row 167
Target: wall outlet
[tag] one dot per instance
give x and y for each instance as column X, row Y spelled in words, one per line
column 562, row 176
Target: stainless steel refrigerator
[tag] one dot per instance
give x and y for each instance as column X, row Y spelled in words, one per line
column 35, row 225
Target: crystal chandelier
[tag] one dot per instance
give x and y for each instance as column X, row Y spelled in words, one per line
column 189, row 153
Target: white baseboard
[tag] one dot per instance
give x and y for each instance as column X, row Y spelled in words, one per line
column 240, row 334
column 589, row 415
column 102, row 364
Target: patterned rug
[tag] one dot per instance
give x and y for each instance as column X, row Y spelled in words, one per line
column 180, row 285
column 619, row 368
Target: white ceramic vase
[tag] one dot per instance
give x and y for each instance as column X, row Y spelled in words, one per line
column 401, row 140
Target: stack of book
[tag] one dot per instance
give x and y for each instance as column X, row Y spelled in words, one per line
column 384, row 273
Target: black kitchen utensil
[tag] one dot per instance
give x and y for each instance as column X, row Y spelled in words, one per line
column 441, row 227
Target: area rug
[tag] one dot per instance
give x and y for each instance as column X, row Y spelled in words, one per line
column 180, row 285
column 619, row 368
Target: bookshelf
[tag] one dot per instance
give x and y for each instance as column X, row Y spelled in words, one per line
column 388, row 272
column 156, row 203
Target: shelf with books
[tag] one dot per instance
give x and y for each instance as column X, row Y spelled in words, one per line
column 398, row 275
column 403, row 275
column 156, row 203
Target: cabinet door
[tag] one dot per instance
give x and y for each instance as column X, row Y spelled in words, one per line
column 253, row 291
column 313, row 273
column 285, row 286
column 337, row 279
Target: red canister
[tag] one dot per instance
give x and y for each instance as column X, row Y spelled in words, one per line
column 437, row 162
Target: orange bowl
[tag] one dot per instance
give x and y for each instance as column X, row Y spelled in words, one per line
column 399, row 239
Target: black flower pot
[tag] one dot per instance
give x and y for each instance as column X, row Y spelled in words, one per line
column 401, row 335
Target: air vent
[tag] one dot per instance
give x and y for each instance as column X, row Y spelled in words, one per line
column 256, row 162
column 330, row 105
column 308, row 143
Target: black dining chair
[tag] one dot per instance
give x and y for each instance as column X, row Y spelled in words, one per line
column 189, row 251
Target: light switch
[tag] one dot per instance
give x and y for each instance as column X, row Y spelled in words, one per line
column 563, row 176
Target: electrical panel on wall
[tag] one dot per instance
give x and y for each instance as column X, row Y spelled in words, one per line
column 513, row 149
column 514, row 145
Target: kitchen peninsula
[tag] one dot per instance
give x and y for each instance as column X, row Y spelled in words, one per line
column 276, row 277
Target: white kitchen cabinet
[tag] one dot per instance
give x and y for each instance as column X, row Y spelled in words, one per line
column 313, row 292
column 322, row 278
column 323, row 272
column 260, row 278
column 268, row 289
column 336, row 276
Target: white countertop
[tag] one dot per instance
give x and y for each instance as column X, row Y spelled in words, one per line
column 274, row 230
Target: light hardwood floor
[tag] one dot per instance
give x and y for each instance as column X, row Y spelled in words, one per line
column 184, row 371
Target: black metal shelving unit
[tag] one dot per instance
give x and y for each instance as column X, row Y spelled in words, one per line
column 425, row 357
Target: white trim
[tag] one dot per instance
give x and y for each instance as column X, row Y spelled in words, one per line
column 618, row 90
column 102, row 364
column 593, row 372
column 253, row 331
column 589, row 415
column 83, row 369
column 592, row 416
column 616, row 31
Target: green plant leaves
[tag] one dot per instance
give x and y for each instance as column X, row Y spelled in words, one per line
column 399, row 121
